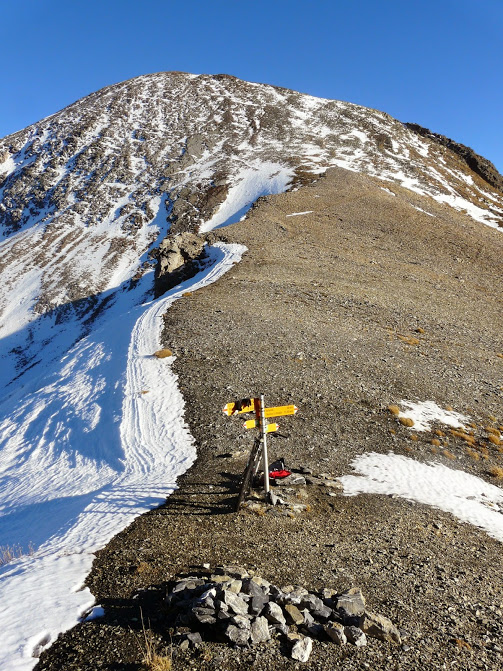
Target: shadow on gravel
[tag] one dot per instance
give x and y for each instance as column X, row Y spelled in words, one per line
column 202, row 499
column 143, row 615
column 146, row 615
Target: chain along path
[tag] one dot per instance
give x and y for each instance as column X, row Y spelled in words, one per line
column 155, row 447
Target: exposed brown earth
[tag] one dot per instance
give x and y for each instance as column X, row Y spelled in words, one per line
column 361, row 303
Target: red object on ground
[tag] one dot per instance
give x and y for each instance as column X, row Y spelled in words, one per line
column 279, row 474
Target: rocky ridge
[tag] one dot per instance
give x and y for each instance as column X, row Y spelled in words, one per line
column 474, row 161
column 93, row 176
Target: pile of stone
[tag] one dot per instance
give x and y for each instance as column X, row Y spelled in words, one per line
column 244, row 610
column 282, row 489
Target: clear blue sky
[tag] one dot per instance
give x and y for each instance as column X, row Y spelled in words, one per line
column 436, row 62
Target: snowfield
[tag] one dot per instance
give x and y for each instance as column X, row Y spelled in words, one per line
column 465, row 496
column 90, row 442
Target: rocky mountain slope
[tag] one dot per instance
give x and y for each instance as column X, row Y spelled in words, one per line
column 350, row 300
column 83, row 186
column 137, row 177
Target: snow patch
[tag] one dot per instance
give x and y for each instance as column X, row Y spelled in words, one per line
column 424, row 413
column 465, row 496
column 383, row 188
column 7, row 167
column 83, row 452
column 259, row 179
column 423, row 211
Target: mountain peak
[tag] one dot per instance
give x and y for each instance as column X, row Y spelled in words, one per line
column 94, row 187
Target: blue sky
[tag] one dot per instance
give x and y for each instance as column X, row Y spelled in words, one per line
column 438, row 63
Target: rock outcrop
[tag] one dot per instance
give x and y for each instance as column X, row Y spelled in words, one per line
column 178, row 258
column 480, row 165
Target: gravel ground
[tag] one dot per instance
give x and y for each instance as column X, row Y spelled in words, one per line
column 316, row 314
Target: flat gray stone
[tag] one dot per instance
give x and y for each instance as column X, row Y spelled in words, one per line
column 237, row 635
column 235, row 603
column 281, row 628
column 241, row 621
column 311, row 480
column 235, row 586
column 311, row 602
column 257, row 604
column 293, row 614
column 355, row 636
column 335, row 632
column 293, row 479
column 204, row 615
column 223, row 615
column 333, row 484
column 308, row 618
column 262, row 582
column 322, row 613
column 297, row 507
column 313, row 630
column 194, row 638
column 184, row 587
column 209, row 593
column 251, row 587
column 287, row 589
column 235, row 571
column 378, row 626
column 351, row 603
column 296, row 595
column 293, row 636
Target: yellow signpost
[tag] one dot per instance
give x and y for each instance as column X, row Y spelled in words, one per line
column 253, row 423
column 280, row 411
column 246, row 405
column 257, row 405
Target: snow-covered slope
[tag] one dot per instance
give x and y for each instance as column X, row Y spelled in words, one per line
column 91, row 425
column 92, row 440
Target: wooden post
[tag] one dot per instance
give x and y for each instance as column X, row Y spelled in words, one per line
column 264, row 446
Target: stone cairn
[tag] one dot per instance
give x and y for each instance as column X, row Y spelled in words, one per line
column 230, row 605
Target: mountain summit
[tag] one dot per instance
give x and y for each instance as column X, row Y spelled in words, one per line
column 83, row 186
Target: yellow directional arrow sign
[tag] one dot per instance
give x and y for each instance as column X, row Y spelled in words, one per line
column 246, row 405
column 252, row 423
column 280, row 411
